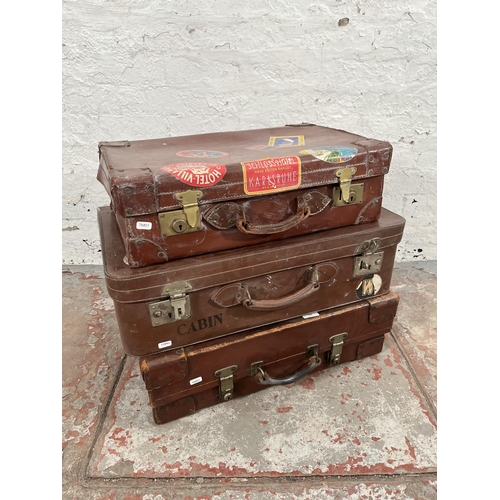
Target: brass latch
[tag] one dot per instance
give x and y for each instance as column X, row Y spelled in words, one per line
column 370, row 261
column 347, row 193
column 182, row 221
column 225, row 376
column 337, row 342
column 177, row 306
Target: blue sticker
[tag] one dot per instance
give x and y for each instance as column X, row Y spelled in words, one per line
column 332, row 154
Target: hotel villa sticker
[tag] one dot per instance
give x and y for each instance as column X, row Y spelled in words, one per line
column 196, row 174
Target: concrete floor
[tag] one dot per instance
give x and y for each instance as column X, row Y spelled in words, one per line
column 362, row 430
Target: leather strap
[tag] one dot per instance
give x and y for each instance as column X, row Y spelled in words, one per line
column 287, row 300
column 264, row 379
column 231, row 214
column 303, row 212
column 235, row 294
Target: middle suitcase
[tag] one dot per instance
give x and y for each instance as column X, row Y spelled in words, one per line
column 191, row 300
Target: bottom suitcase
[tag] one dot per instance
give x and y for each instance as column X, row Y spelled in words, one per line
column 189, row 379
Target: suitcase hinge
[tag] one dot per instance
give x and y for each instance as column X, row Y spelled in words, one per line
column 225, row 376
column 337, row 342
column 177, row 306
column 182, row 221
column 346, row 193
column 370, row 261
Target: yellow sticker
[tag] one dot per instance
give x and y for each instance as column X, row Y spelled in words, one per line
column 286, row 140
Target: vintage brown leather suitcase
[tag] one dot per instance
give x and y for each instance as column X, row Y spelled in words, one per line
column 185, row 196
column 185, row 380
column 186, row 301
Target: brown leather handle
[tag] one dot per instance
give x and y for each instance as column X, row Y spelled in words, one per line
column 303, row 212
column 264, row 379
column 233, row 294
column 267, row 304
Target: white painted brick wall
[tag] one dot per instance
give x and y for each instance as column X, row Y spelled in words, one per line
column 142, row 69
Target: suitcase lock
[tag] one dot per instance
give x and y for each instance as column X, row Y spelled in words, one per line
column 346, row 193
column 177, row 306
column 370, row 261
column 182, row 221
column 225, row 376
column 337, row 342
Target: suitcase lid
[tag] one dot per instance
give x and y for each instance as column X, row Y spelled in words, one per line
column 143, row 177
column 130, row 285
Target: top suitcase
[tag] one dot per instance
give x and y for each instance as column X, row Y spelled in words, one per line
column 184, row 196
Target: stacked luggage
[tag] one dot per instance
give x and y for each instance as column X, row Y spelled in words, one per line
column 240, row 260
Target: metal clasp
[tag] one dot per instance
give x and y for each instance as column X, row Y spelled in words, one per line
column 177, row 306
column 370, row 261
column 182, row 221
column 226, row 386
column 343, row 194
column 337, row 342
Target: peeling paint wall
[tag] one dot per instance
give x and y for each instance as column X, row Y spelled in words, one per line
column 144, row 69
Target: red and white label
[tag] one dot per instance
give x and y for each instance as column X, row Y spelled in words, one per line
column 271, row 174
column 196, row 174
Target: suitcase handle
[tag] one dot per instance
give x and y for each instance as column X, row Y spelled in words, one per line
column 264, row 378
column 266, row 304
column 303, row 212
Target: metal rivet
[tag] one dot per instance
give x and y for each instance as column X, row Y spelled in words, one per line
column 161, row 254
column 129, row 211
column 157, row 314
column 182, row 376
column 371, row 158
column 175, row 403
column 386, row 155
column 182, row 361
column 168, row 381
column 127, row 190
column 191, row 412
column 139, row 243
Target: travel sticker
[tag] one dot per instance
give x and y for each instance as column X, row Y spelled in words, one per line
column 271, row 174
column 369, row 286
column 332, row 154
column 260, row 147
column 286, row 140
column 200, row 153
column 196, row 174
